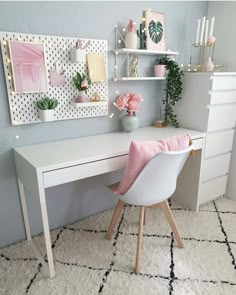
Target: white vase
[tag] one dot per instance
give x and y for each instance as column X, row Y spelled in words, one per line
column 46, row 115
column 131, row 40
column 130, row 123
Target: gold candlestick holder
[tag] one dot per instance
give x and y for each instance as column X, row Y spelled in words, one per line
column 202, row 49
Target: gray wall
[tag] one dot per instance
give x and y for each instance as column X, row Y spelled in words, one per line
column 225, row 54
column 73, row 201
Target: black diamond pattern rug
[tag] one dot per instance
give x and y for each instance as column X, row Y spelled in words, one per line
column 86, row 263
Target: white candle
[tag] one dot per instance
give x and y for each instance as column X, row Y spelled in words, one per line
column 198, row 31
column 206, row 32
column 202, row 29
column 212, row 26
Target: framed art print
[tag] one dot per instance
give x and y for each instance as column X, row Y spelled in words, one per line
column 96, row 67
column 155, row 30
column 28, row 67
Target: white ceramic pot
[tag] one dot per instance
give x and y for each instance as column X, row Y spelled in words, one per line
column 160, row 70
column 46, row 115
column 131, row 40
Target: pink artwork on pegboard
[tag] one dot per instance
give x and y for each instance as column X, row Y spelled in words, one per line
column 28, row 66
column 56, row 79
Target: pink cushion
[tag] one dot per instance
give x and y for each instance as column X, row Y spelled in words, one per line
column 140, row 153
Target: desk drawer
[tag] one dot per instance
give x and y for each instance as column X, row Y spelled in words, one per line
column 212, row 189
column 222, row 117
column 221, row 97
column 216, row 166
column 68, row 174
column 219, row 143
column 224, row 83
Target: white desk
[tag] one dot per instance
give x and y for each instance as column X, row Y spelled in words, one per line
column 46, row 165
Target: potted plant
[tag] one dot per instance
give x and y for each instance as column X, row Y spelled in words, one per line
column 82, row 84
column 173, row 89
column 46, row 108
column 129, row 102
column 160, row 68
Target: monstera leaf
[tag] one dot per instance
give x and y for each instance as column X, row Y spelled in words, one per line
column 155, row 31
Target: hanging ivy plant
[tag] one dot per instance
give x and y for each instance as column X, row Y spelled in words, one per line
column 155, row 31
column 173, row 89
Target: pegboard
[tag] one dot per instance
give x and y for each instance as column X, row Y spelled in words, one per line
column 56, row 49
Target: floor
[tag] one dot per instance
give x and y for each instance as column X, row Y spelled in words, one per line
column 86, row 263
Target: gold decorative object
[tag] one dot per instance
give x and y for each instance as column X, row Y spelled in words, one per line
column 95, row 97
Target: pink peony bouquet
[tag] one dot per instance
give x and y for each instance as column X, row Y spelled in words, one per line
column 129, row 101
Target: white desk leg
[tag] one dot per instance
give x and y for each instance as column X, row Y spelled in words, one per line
column 24, row 210
column 47, row 237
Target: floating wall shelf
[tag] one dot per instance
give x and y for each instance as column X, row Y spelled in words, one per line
column 138, row 78
column 88, row 104
column 125, row 55
column 144, row 52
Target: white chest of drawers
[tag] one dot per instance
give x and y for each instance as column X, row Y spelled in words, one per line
column 209, row 104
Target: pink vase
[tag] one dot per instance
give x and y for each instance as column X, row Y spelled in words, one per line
column 160, row 70
column 209, row 66
column 82, row 97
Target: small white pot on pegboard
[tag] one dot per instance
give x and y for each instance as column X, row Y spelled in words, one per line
column 46, row 115
column 46, row 107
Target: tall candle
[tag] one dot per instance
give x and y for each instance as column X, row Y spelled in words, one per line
column 206, row 32
column 212, row 26
column 202, row 29
column 198, row 31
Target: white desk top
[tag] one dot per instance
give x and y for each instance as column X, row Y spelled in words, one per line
column 60, row 154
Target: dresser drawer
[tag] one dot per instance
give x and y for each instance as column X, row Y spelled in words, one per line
column 212, row 189
column 224, row 83
column 220, row 97
column 219, row 143
column 221, row 117
column 68, row 174
column 216, row 166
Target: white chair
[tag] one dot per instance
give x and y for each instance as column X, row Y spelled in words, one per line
column 153, row 186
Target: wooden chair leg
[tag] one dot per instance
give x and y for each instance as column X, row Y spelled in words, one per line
column 115, row 217
column 140, row 235
column 170, row 218
column 144, row 218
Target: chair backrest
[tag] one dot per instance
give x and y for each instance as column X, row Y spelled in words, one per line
column 157, row 181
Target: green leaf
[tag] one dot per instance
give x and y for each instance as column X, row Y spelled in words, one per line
column 155, row 30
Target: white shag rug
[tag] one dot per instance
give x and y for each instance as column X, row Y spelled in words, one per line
column 86, row 263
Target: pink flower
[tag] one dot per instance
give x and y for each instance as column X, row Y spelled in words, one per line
column 84, row 84
column 129, row 101
column 133, row 106
column 135, row 97
column 122, row 102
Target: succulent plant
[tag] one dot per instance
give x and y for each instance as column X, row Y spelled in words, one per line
column 46, row 103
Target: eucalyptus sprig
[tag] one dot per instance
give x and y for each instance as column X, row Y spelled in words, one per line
column 173, row 89
column 46, row 103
